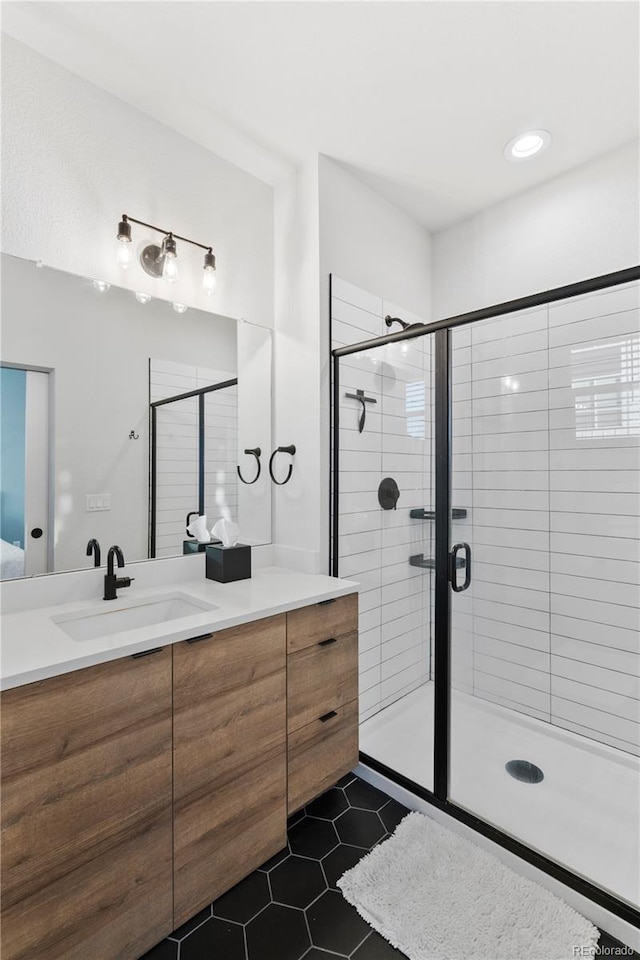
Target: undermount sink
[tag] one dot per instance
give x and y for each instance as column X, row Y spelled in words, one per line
column 141, row 613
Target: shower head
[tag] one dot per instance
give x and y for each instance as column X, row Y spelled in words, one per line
column 391, row 320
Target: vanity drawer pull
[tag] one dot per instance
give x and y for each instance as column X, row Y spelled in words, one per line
column 146, row 653
column 325, row 603
column 327, row 716
column 204, row 636
column 326, row 643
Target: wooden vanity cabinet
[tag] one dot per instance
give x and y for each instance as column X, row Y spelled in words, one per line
column 86, row 812
column 136, row 792
column 322, row 697
column 229, row 759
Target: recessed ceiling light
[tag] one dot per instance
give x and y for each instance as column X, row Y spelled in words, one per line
column 527, row 144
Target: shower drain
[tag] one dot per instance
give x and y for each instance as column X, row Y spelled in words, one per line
column 524, row 770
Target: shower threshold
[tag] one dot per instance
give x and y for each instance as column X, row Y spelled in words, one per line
column 583, row 814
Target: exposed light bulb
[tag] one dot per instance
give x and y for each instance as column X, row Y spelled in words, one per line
column 180, row 307
column 209, row 281
column 101, row 285
column 123, row 256
column 143, row 297
column 39, row 264
column 170, row 268
column 209, row 274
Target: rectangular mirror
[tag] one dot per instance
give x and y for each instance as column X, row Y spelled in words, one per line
column 98, row 438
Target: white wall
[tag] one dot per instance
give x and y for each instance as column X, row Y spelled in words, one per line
column 74, row 158
column 300, row 517
column 369, row 243
column 579, row 225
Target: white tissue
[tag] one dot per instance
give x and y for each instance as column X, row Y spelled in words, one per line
column 227, row 531
column 198, row 529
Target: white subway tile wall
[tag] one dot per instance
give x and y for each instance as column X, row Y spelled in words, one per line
column 547, row 455
column 375, row 544
column 177, row 450
column 546, row 458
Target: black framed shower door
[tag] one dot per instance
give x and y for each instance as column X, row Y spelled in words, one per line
column 447, row 575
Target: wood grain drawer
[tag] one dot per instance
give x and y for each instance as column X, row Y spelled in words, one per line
column 229, row 756
column 321, row 678
column 86, row 812
column 320, row 753
column 320, row 621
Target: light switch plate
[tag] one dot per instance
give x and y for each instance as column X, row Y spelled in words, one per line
column 98, row 501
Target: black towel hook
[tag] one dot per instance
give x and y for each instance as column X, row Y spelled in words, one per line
column 255, row 452
column 291, row 449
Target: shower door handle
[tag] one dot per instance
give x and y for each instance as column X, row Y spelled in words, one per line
column 453, row 566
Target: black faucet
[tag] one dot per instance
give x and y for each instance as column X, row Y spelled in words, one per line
column 93, row 547
column 111, row 581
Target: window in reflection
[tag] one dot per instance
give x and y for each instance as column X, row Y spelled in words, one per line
column 607, row 377
column 414, row 408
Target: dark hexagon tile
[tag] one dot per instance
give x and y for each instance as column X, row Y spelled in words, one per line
column 360, row 828
column 335, row 925
column 392, row 814
column 275, row 860
column 278, row 933
column 340, row 860
column 348, row 778
column 316, row 954
column 312, row 838
column 298, row 815
column 191, row 924
column 243, row 901
column 363, row 795
column 214, row 940
column 376, row 947
column 165, row 950
column 329, row 806
column 297, row 882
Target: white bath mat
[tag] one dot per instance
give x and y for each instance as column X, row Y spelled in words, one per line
column 436, row 896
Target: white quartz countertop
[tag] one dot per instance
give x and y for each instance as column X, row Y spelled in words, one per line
column 34, row 647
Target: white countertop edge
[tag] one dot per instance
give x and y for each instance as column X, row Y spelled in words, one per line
column 27, row 660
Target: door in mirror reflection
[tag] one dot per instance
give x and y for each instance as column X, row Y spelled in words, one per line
column 24, row 472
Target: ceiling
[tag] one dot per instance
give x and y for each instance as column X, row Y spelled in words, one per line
column 416, row 98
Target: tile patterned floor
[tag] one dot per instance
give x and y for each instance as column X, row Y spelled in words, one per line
column 290, row 909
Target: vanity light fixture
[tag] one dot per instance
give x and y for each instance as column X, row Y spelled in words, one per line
column 162, row 260
column 180, row 307
column 101, row 285
column 527, row 145
column 143, row 297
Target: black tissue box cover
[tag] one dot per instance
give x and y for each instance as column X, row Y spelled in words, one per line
column 194, row 546
column 226, row 564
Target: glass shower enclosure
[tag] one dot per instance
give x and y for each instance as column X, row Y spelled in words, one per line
column 487, row 499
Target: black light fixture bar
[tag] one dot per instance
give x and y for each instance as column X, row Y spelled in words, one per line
column 167, row 233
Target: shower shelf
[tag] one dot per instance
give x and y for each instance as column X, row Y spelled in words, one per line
column 428, row 563
column 421, row 513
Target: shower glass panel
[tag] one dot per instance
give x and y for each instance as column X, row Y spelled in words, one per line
column 386, row 542
column 194, row 457
column 176, row 463
column 545, row 658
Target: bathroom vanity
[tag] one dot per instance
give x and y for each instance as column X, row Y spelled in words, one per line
column 147, row 771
